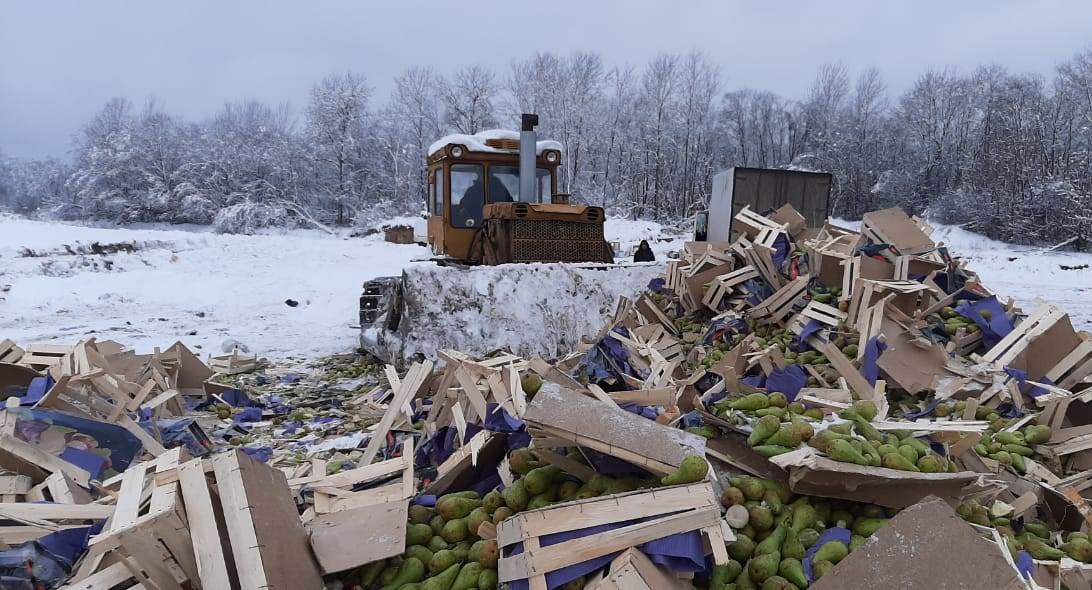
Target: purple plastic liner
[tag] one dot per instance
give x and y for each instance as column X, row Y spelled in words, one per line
column 789, row 380
column 642, row 411
column 928, row 410
column 810, row 328
column 781, row 249
column 994, row 329
column 609, row 465
column 261, row 454
column 681, row 552
column 1025, row 564
column 870, row 368
column 1022, row 378
column 36, row 390
column 425, row 500
column 754, row 380
column 92, row 463
column 831, row 534
column 499, row 420
column 722, row 326
column 248, row 415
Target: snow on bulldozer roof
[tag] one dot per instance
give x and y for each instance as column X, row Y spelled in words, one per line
column 476, row 142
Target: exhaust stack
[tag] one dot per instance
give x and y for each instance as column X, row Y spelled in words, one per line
column 528, row 152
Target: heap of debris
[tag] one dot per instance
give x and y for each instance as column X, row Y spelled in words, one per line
column 802, row 407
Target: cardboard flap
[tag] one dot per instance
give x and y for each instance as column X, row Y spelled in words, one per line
column 925, row 547
column 608, row 428
column 813, row 474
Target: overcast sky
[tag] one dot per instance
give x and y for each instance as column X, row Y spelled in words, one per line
column 61, row 60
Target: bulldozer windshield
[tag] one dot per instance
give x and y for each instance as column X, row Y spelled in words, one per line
column 504, row 185
column 467, row 195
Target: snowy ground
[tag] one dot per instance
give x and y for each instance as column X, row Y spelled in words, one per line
column 205, row 289
column 202, row 288
column 197, row 287
column 1026, row 273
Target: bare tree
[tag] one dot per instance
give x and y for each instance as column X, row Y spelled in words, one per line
column 335, row 127
column 468, row 100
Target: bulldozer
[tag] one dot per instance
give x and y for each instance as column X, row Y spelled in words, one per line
column 493, row 199
column 504, row 241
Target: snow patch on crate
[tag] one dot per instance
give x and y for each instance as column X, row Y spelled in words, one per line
column 476, row 142
column 531, row 309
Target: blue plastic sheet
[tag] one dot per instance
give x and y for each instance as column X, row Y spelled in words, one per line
column 781, row 249
column 758, row 380
column 609, row 465
column 608, row 360
column 247, row 415
column 498, row 419
column 658, row 285
column 926, row 411
column 428, row 500
column 789, row 380
column 993, row 329
column 261, row 454
column 870, row 368
column 722, row 327
column 28, row 394
column 1022, row 378
column 872, row 249
column 184, row 432
column 831, row 534
column 100, row 448
column 642, row 411
column 1025, row 564
column 800, row 344
column 681, row 552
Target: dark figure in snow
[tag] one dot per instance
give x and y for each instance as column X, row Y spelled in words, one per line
column 644, row 253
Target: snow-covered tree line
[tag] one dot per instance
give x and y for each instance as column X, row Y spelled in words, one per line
column 1008, row 154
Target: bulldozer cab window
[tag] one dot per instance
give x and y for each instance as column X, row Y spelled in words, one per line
column 467, row 195
column 436, row 192
column 504, row 185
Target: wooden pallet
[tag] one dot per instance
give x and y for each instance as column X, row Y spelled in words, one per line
column 668, row 511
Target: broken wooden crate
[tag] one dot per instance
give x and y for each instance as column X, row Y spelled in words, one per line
column 224, row 522
column 658, row 513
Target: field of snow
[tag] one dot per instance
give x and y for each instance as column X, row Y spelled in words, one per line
column 207, row 289
column 1026, row 273
column 197, row 287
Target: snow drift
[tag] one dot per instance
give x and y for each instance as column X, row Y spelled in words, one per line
column 531, row 309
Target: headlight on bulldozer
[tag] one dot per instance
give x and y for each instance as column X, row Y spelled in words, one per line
column 552, row 156
column 457, row 151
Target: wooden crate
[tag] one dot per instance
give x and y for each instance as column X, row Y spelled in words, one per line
column 779, row 306
column 269, row 545
column 633, row 570
column 149, row 526
column 38, row 520
column 116, row 576
column 669, row 511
